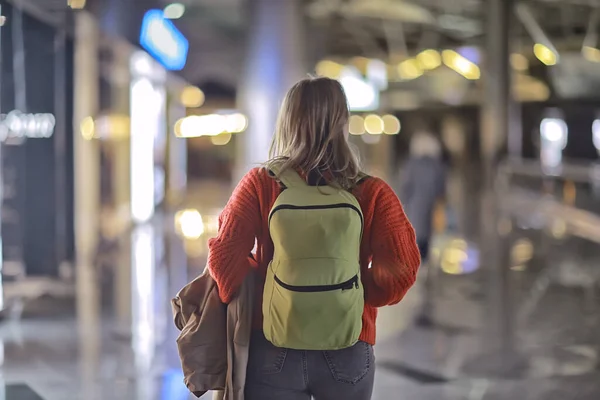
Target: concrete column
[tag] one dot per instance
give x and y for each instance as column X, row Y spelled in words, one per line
column 87, row 196
column 381, row 155
column 497, row 83
column 499, row 317
column 87, row 158
column 60, row 152
column 120, row 100
column 275, row 60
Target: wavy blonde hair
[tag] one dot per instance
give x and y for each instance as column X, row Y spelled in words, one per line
column 312, row 133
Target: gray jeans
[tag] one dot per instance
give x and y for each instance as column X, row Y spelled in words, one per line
column 282, row 374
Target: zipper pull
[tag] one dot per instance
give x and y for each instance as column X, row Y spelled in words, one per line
column 356, row 283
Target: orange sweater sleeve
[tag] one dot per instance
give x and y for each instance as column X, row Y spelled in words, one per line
column 229, row 258
column 395, row 257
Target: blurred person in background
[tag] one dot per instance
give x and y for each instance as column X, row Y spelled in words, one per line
column 423, row 186
column 332, row 245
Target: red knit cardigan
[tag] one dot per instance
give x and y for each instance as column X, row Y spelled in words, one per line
column 389, row 256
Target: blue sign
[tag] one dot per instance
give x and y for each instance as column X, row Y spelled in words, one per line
column 163, row 40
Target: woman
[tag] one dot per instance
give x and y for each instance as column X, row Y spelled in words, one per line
column 423, row 186
column 311, row 143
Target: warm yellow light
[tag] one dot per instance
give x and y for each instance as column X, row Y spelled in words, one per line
column 409, row 69
column 192, row 97
column 452, row 261
column 76, row 4
column 461, row 65
column 591, row 53
column 174, row 11
column 361, row 63
column 87, row 128
column 519, row 62
column 112, row 127
column 329, row 69
column 236, row 123
column 522, row 251
column 177, row 127
column 429, row 59
column 210, row 125
column 188, row 223
column 374, row 124
column 544, row 54
column 221, row 140
column 356, row 125
column 391, row 124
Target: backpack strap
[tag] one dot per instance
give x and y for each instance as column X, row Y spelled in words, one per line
column 362, row 177
column 289, row 178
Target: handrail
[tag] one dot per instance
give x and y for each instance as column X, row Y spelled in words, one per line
column 576, row 172
column 578, row 222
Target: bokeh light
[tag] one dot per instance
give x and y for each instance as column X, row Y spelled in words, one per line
column 221, row 139
column 409, row 69
column 87, row 128
column 374, row 124
column 188, row 223
column 545, row 54
column 174, row 11
column 391, row 124
column 192, row 97
column 356, row 125
column 429, row 59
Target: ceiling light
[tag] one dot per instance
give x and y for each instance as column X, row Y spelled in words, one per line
column 409, row 69
column 77, row 4
column 374, row 124
column 174, row 11
column 221, row 139
column 329, row 69
column 391, row 124
column 591, row 53
column 87, row 128
column 192, row 97
column 429, row 59
column 356, row 125
column 545, row 54
column 519, row 62
column 461, row 65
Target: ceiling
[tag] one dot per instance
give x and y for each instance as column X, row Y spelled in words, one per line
column 384, row 29
column 394, row 29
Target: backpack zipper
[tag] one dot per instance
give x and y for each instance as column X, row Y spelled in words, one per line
column 348, row 285
column 321, row 207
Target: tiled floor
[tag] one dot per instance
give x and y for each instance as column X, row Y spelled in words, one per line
column 122, row 344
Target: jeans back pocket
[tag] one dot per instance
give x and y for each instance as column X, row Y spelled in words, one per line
column 350, row 365
column 265, row 358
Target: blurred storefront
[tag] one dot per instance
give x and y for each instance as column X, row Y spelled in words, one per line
column 126, row 116
column 131, row 168
column 37, row 146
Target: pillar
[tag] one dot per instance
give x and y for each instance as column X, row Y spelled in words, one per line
column 60, row 153
column 87, row 159
column 497, row 83
column 381, row 157
column 121, row 148
column 496, row 122
column 275, row 60
column 87, row 194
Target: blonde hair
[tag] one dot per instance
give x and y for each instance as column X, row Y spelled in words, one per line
column 312, row 133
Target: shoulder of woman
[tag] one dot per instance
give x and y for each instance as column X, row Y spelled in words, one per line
column 258, row 179
column 372, row 186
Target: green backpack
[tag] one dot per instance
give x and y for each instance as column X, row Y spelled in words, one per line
column 313, row 297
